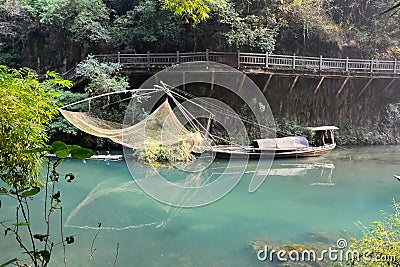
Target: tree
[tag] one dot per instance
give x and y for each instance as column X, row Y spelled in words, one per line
column 103, row 77
column 85, row 20
column 27, row 107
column 146, row 27
column 366, row 29
column 305, row 27
column 190, row 10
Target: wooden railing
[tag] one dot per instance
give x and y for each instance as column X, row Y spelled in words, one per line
column 167, row 59
column 318, row 63
column 243, row 60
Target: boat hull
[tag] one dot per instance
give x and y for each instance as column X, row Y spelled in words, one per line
column 242, row 153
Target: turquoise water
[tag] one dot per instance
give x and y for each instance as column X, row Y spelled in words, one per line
column 303, row 201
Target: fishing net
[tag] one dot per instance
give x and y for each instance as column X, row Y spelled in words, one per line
column 161, row 128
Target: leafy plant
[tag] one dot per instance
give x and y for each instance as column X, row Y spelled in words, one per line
column 27, row 107
column 39, row 246
column 60, row 124
column 380, row 240
column 286, row 127
column 154, row 152
column 252, row 32
column 191, row 10
column 84, row 20
column 103, row 77
column 148, row 27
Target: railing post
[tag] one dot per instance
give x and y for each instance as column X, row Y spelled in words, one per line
column 207, row 55
column 395, row 65
column 177, row 56
column 148, row 59
column 266, row 59
column 372, row 66
column 119, row 57
column 294, row 61
column 238, row 58
column 320, row 62
column 347, row 64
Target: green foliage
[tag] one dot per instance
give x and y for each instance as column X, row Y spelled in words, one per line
column 251, row 32
column 365, row 28
column 392, row 114
column 53, row 12
column 155, row 152
column 62, row 150
column 92, row 21
column 60, row 124
column 306, row 27
column 27, row 107
column 52, row 202
column 146, row 27
column 87, row 20
column 103, row 77
column 190, row 10
column 286, row 127
column 311, row 15
column 380, row 239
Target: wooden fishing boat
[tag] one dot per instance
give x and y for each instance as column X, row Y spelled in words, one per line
column 285, row 147
column 105, row 157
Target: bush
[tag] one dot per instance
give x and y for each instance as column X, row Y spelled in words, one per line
column 381, row 240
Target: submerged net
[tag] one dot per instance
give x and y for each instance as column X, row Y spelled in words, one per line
column 161, row 127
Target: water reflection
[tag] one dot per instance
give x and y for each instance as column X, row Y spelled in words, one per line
column 144, row 211
column 325, row 170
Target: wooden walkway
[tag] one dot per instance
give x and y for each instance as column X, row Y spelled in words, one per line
column 270, row 64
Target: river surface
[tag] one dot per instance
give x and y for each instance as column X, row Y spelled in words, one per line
column 301, row 201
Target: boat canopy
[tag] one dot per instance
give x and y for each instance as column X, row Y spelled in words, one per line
column 284, row 142
column 322, row 128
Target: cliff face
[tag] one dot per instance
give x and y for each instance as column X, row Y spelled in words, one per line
column 46, row 50
column 371, row 116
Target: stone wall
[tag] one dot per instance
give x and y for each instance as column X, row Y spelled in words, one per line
column 372, row 117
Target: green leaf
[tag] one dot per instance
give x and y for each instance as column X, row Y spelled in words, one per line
column 69, row 177
column 62, row 154
column 3, row 190
column 56, row 94
column 34, row 254
column 81, row 153
column 45, row 255
column 41, row 237
column 45, row 148
column 8, row 262
column 21, row 224
column 58, row 146
column 31, row 192
column 73, row 147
